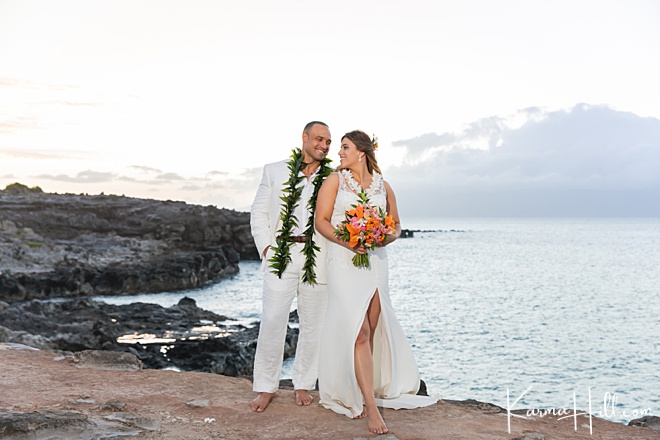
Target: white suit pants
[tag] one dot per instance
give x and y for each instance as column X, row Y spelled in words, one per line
column 278, row 295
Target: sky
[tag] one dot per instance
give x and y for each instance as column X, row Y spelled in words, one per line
column 481, row 107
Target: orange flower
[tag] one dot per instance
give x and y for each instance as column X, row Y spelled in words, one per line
column 389, row 221
column 352, row 229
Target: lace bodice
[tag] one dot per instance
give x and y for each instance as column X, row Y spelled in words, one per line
column 347, row 194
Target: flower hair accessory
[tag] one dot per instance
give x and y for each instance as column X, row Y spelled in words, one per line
column 374, row 142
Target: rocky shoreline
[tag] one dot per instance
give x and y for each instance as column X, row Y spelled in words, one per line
column 182, row 337
column 59, row 250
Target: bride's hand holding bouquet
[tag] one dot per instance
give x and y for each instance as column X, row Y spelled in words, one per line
column 364, row 228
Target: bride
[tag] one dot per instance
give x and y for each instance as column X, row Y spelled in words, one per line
column 365, row 359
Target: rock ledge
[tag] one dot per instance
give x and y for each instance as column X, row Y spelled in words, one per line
column 153, row 403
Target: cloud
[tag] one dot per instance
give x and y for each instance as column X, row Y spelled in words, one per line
column 82, row 177
column 489, row 129
column 253, row 174
column 15, row 83
column 75, row 103
column 36, row 106
column 12, row 82
column 216, row 173
column 224, row 189
column 39, row 154
column 169, row 176
column 589, row 160
column 191, row 188
column 145, row 169
column 93, row 177
column 12, row 124
column 427, row 140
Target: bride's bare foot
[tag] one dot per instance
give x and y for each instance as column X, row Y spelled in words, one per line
column 376, row 423
column 260, row 403
column 363, row 415
column 303, row 397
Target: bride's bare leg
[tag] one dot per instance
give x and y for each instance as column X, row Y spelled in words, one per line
column 364, row 366
column 373, row 313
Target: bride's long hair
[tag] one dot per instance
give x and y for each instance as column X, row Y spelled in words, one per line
column 364, row 144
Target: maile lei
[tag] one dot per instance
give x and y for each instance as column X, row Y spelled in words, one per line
column 291, row 194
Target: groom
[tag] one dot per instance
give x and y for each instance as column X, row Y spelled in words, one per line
column 293, row 257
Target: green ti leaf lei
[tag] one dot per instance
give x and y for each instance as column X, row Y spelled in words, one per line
column 290, row 199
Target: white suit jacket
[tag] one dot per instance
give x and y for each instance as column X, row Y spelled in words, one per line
column 265, row 217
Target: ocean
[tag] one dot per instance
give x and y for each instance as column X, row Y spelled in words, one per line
column 538, row 314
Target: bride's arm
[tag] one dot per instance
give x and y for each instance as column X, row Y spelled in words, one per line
column 394, row 212
column 325, row 203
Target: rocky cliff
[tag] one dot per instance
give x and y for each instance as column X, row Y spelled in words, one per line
column 66, row 245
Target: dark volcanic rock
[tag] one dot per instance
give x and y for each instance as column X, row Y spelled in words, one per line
column 652, row 422
column 63, row 245
column 182, row 336
column 160, row 273
column 69, row 247
column 50, row 424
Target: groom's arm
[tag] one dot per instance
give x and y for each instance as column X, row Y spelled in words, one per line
column 260, row 214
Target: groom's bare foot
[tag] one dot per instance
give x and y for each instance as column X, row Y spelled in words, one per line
column 376, row 423
column 260, row 403
column 303, row 397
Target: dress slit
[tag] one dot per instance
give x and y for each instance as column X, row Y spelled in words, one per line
column 365, row 315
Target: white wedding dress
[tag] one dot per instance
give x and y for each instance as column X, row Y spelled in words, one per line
column 350, row 290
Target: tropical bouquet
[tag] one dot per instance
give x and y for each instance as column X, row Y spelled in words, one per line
column 365, row 225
